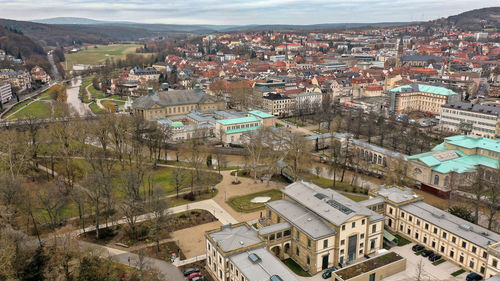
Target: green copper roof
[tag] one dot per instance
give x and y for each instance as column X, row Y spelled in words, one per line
column 241, row 130
column 426, row 89
column 261, row 114
column 239, row 120
column 472, row 142
column 177, row 124
column 466, row 164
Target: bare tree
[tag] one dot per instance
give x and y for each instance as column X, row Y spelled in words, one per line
column 255, row 150
column 298, row 154
column 132, row 204
column 52, row 203
column 158, row 207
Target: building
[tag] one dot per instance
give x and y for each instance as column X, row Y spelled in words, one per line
column 420, row 61
column 5, row 92
column 231, row 130
column 307, row 102
column 453, row 162
column 278, row 104
column 144, row 74
column 319, row 228
column 21, row 80
column 268, row 120
column 421, row 97
column 39, row 74
column 237, row 252
column 157, row 105
column 471, row 119
column 472, row 247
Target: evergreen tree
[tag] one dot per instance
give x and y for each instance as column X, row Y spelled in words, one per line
column 34, row 270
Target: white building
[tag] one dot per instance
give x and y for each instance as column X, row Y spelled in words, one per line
column 471, row 119
column 5, row 92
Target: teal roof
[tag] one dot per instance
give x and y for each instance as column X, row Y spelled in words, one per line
column 241, row 130
column 239, row 120
column 177, row 124
column 261, row 114
column 474, row 142
column 426, row 89
column 466, row 164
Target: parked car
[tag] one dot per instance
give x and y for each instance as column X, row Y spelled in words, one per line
column 427, row 253
column 417, row 248
column 473, row 277
column 328, row 273
column 194, row 274
column 190, row 270
column 201, row 278
column 434, row 257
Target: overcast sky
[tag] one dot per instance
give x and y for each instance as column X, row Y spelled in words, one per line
column 237, row 12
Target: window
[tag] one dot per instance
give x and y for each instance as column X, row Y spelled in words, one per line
column 278, row 235
column 426, row 226
column 494, row 263
column 362, row 236
column 269, row 214
column 401, row 227
column 445, row 234
column 298, row 235
column 485, row 254
column 372, row 243
column 361, row 245
column 452, row 253
column 308, row 260
column 363, row 221
column 461, row 259
column 361, row 251
column 435, row 230
column 416, row 235
column 271, row 237
column 342, row 242
column 454, row 239
column 418, row 222
column 353, row 225
column 474, row 249
column 433, row 244
column 425, row 240
column 390, row 211
column 287, row 233
column 309, row 243
column 402, row 214
column 442, row 249
column 410, row 218
column 297, row 252
column 471, row 264
column 279, row 219
column 374, row 228
column 436, row 180
column 325, row 243
column 343, row 227
column 342, row 251
column 482, row 270
column 464, row 244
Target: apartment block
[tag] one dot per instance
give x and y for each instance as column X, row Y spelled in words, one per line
column 5, row 92
column 471, row 119
column 421, row 97
column 470, row 246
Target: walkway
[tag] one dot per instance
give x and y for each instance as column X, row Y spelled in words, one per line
column 168, row 271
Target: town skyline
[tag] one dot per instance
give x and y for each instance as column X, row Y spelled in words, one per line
column 297, row 12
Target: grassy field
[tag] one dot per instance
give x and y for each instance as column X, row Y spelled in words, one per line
column 95, row 108
column 242, row 203
column 38, row 109
column 96, row 56
column 296, row 268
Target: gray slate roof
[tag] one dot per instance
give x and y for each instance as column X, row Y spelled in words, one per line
column 262, row 270
column 479, row 108
column 230, row 239
column 302, row 218
column 172, row 97
column 452, row 224
column 333, row 207
column 274, row 228
column 372, row 201
column 395, row 194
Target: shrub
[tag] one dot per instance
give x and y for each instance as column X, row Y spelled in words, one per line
column 189, row 196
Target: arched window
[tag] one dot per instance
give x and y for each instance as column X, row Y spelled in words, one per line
column 446, row 181
column 436, row 180
column 379, row 160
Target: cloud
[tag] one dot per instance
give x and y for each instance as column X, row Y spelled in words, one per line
column 241, row 11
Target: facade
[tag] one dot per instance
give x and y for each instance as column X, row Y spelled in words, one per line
column 421, row 97
column 5, row 92
column 319, row 228
column 157, row 105
column 17, row 79
column 471, row 119
column 278, row 104
column 231, row 130
column 453, row 162
column 38, row 74
column 236, row 252
column 470, row 246
column 144, row 74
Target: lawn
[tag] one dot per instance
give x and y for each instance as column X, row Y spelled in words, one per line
column 242, row 204
column 37, row 109
column 97, row 56
column 354, row 197
column 296, row 268
column 438, row 262
column 165, row 177
column 95, row 108
column 328, row 183
column 458, row 272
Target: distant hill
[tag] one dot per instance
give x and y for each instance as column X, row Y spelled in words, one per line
column 474, row 20
column 68, row 20
column 16, row 44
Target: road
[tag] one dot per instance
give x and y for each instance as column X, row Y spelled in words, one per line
column 55, row 71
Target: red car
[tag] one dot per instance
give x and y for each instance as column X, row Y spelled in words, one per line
column 195, row 274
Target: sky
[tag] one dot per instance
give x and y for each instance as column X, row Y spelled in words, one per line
column 241, row 12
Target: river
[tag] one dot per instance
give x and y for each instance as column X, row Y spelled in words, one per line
column 74, row 101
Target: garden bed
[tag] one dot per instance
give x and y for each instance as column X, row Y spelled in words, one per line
column 368, row 265
column 165, row 253
column 296, row 268
column 243, row 203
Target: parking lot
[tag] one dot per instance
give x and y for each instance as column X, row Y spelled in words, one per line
column 429, row 271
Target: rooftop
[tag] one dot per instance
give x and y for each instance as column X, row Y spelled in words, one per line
column 240, row 120
column 260, row 265
column 274, row 228
column 474, row 142
column 479, row 108
column 396, row 195
column 261, row 114
column 231, row 238
column 424, row 88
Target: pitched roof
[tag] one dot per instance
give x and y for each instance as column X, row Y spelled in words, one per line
column 424, row 88
column 240, row 120
column 172, row 97
column 232, row 238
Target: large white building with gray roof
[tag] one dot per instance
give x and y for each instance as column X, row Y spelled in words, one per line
column 320, row 228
